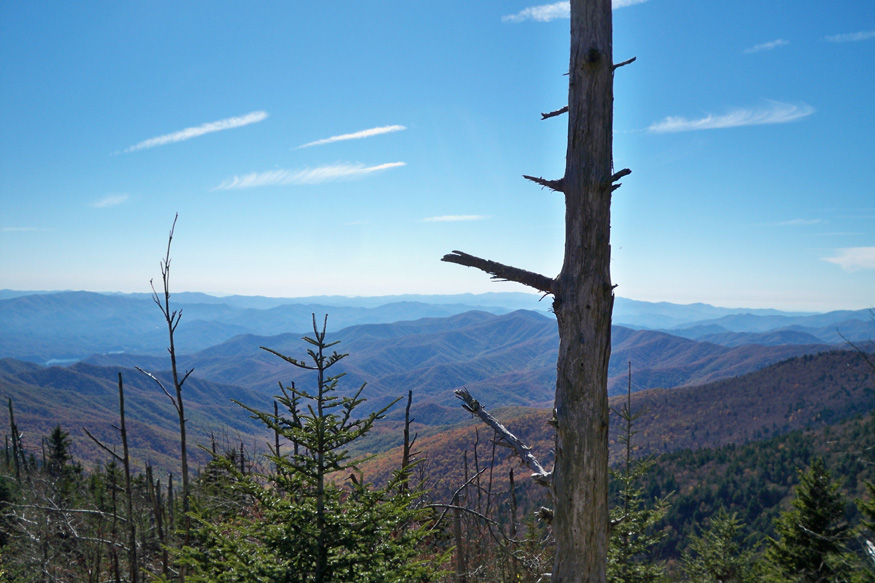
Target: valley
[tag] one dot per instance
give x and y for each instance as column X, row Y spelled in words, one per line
column 778, row 371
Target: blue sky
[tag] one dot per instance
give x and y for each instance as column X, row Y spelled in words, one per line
column 344, row 147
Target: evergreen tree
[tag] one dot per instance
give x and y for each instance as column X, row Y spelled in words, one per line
column 59, row 450
column 867, row 508
column 634, row 520
column 716, row 555
column 311, row 517
column 812, row 534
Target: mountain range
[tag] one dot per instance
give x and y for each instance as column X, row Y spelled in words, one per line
column 429, row 344
column 67, row 326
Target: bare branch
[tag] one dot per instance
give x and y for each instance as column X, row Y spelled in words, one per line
column 105, row 448
column 620, row 174
column 539, row 474
column 555, row 185
column 455, row 494
column 69, row 510
column 502, row 272
column 160, row 384
column 463, row 509
column 185, row 376
column 559, row 111
column 624, row 63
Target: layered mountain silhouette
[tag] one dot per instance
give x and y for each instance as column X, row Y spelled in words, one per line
column 505, row 356
column 67, row 326
column 509, row 359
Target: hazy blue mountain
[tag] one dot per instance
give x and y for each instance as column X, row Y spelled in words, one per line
column 751, row 322
column 509, row 359
column 65, row 326
column 86, row 396
column 665, row 315
column 773, row 338
column 508, row 301
column 73, row 325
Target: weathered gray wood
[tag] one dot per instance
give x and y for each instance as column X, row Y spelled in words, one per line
column 583, row 300
column 539, row 474
column 583, row 305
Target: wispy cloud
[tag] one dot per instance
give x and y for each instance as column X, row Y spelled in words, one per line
column 776, row 112
column 767, row 46
column 194, row 132
column 796, row 223
column 850, row 37
column 854, row 258
column 836, row 234
column 111, row 200
column 300, row 177
column 548, row 12
column 356, row 135
column 454, row 218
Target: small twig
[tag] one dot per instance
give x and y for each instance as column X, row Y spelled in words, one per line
column 160, row 384
column 449, row 507
column 620, row 174
column 624, row 63
column 556, row 185
column 456, row 493
column 70, row 510
column 105, row 448
column 554, row 113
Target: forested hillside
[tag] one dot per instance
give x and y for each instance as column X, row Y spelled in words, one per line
column 804, row 392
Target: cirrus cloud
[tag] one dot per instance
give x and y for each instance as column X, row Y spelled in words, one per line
column 854, row 258
column 109, row 201
column 194, row 132
column 796, row 223
column 851, row 37
column 548, row 12
column 308, row 176
column 776, row 112
column 454, row 218
column 767, row 46
column 356, row 135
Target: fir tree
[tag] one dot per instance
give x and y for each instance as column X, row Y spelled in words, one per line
column 59, row 450
column 867, row 508
column 716, row 555
column 311, row 517
column 634, row 520
column 812, row 534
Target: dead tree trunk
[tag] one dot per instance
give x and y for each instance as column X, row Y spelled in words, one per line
column 583, row 300
column 583, row 305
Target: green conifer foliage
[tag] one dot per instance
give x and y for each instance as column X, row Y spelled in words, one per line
column 812, row 535
column 310, row 517
column 634, row 520
column 717, row 554
column 867, row 508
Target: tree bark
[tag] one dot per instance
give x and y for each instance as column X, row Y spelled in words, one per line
column 584, row 303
